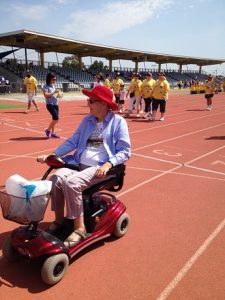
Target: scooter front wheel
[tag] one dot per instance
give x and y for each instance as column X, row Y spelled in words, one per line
column 8, row 251
column 121, row 226
column 54, row 268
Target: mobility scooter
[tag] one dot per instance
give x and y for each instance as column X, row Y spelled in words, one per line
column 104, row 215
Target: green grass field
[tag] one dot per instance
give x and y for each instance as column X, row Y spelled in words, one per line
column 11, row 105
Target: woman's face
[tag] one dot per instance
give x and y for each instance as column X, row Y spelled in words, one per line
column 53, row 80
column 97, row 108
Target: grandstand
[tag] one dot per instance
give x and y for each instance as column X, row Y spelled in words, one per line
column 73, row 78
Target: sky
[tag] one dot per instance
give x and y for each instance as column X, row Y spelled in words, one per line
column 190, row 28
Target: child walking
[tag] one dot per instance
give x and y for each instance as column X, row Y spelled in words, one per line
column 122, row 98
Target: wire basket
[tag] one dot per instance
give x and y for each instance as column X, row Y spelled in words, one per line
column 23, row 210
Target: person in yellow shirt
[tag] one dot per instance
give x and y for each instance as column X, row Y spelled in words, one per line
column 192, row 87
column 116, row 83
column 160, row 95
column 107, row 81
column 30, row 85
column 210, row 89
column 135, row 92
column 197, row 87
column 147, row 88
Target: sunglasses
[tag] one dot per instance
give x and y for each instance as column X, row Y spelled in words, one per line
column 91, row 101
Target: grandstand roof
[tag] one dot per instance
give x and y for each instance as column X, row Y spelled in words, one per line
column 49, row 43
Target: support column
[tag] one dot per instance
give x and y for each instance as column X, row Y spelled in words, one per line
column 42, row 60
column 110, row 65
column 80, row 61
column 200, row 69
column 26, row 63
column 136, row 66
column 180, row 68
column 159, row 67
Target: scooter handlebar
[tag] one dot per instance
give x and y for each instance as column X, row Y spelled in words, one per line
column 56, row 162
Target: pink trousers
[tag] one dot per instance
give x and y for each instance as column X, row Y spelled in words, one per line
column 67, row 187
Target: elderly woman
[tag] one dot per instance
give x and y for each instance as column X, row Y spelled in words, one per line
column 100, row 142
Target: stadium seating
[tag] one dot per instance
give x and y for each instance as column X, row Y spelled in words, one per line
column 72, row 78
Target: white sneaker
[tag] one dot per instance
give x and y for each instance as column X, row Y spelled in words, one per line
column 138, row 115
column 146, row 116
column 161, row 119
column 209, row 107
column 151, row 118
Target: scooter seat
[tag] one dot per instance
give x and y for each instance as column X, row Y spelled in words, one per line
column 113, row 184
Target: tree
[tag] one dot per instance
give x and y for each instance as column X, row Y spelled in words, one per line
column 72, row 61
column 98, row 65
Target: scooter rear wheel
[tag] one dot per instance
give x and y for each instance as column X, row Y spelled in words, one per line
column 121, row 226
column 8, row 251
column 54, row 268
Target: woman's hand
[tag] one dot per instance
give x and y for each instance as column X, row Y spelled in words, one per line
column 101, row 171
column 42, row 158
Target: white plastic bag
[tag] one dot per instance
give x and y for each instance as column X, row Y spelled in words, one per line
column 28, row 199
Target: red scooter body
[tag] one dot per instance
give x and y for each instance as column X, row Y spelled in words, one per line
column 104, row 215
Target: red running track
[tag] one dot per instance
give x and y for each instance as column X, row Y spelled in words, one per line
column 174, row 192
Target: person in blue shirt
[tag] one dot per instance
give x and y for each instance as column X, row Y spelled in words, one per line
column 100, row 142
column 51, row 95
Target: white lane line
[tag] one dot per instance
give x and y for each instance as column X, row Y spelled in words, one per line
column 158, row 159
column 187, row 164
column 27, row 155
column 178, row 137
column 29, row 129
column 189, row 264
column 206, row 170
column 177, row 173
column 204, row 155
column 174, row 123
column 147, row 181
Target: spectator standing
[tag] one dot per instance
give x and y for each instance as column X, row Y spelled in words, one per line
column 147, row 88
column 7, row 86
column 123, row 95
column 51, row 95
column 135, row 92
column 210, row 88
column 160, row 96
column 30, row 86
column 2, row 84
column 97, row 81
column 107, row 81
column 130, row 92
column 116, row 83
